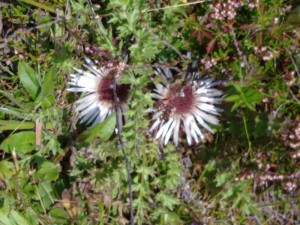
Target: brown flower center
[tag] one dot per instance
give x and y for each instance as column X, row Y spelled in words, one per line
column 106, row 94
column 178, row 101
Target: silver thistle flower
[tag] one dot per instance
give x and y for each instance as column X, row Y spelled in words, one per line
column 192, row 106
column 97, row 84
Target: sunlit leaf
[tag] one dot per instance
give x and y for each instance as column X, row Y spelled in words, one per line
column 47, row 171
column 28, row 78
column 31, row 217
column 244, row 96
column 14, row 100
column 6, row 169
column 232, row 98
column 167, row 200
column 48, row 83
column 103, row 130
column 46, row 6
column 14, row 124
column 4, row 220
column 18, row 218
column 59, row 28
column 13, row 111
column 59, row 216
column 46, row 95
column 23, row 142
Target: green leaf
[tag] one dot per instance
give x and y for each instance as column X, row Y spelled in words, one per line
column 22, row 142
column 18, row 218
column 243, row 96
column 294, row 17
column 232, row 98
column 166, row 217
column 4, row 220
column 48, row 83
column 236, row 105
column 145, row 171
column 45, row 5
column 46, row 95
column 167, row 200
column 19, row 125
column 31, row 216
column 15, row 101
column 48, row 171
column 6, row 169
column 59, row 216
column 44, row 192
column 59, row 28
column 103, row 130
column 15, row 124
column 210, row 166
column 28, row 78
column 48, row 101
column 254, row 96
column 6, row 206
column 222, row 178
column 13, row 111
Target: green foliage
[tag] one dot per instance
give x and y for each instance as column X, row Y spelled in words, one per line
column 22, row 142
column 56, row 170
column 103, row 130
column 29, row 79
column 244, row 97
column 47, row 171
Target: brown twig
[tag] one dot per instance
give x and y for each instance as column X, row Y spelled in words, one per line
column 38, row 132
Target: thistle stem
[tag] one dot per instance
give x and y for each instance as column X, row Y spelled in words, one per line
column 247, row 135
column 119, row 128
